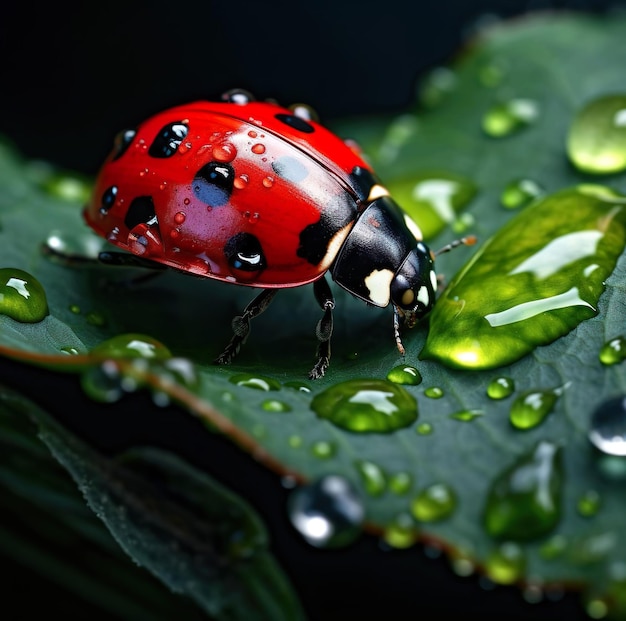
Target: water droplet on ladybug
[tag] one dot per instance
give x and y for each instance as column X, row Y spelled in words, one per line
column 224, row 152
column 268, row 182
column 241, row 181
column 179, row 217
column 144, row 172
column 258, row 148
column 252, row 134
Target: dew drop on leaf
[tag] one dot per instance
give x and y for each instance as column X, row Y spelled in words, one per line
column 327, row 513
column 500, row 388
column 545, row 271
column 531, row 407
column 433, row 392
column 607, row 429
column 258, row 382
column 274, row 405
column 434, row 503
column 596, row 142
column 506, row 564
column 613, row 351
column 372, row 476
column 400, row 533
column 323, row 449
column 366, row 405
column 588, row 504
column 524, row 501
column 132, row 345
column 467, row 416
column 520, row 193
column 404, row 374
column 22, row 296
column 504, row 119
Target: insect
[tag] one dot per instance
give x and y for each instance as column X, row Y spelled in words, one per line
column 255, row 194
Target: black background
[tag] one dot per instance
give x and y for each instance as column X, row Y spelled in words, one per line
column 72, row 77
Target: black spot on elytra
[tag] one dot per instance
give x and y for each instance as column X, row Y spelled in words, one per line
column 108, row 199
column 168, row 140
column 122, row 142
column 314, row 238
column 362, row 181
column 295, row 122
column 141, row 211
column 213, row 183
column 243, row 251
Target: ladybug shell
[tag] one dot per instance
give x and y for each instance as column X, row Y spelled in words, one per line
column 245, row 193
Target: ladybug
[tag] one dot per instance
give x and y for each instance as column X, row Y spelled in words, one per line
column 255, row 194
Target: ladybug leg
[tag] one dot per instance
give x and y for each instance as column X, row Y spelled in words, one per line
column 241, row 325
column 324, row 328
column 396, row 330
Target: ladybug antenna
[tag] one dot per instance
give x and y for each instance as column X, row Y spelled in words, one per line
column 470, row 240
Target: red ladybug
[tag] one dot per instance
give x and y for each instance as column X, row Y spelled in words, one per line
column 255, row 194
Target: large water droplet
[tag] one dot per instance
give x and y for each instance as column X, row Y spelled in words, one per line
column 531, row 407
column 258, row 382
column 364, row 405
column 608, row 427
column 500, row 388
column 22, row 296
column 613, row 351
column 404, row 374
column 524, row 501
column 132, row 345
column 401, row 532
column 505, row 118
column 596, row 142
column 545, row 271
column 327, row 513
column 433, row 199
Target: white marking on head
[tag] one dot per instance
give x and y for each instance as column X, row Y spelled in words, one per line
column 378, row 284
column 377, row 191
column 423, row 296
column 433, row 280
column 412, row 226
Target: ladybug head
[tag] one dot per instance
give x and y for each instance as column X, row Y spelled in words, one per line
column 414, row 286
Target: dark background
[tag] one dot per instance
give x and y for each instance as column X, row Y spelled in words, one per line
column 71, row 78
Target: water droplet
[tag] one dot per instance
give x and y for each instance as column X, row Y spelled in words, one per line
column 520, row 193
column 524, row 501
column 323, row 449
column 62, row 185
column 613, row 351
column 400, row 483
column 436, row 86
column 103, row 382
column 608, row 427
column 96, row 318
column 241, row 181
column 69, row 350
column 401, row 532
column 396, row 136
column 132, row 345
column 299, row 386
column 503, row 119
column 74, row 308
column 258, row 148
column 295, row 441
column 181, row 371
column 404, row 374
column 541, row 284
column 327, row 513
column 366, row 405
column 434, row 503
column 597, row 608
column 22, row 296
column 259, row 382
column 273, row 405
column 179, row 217
column 500, row 388
column 61, row 244
column 372, row 476
column 224, row 152
column 531, row 407
column 467, row 415
column 424, row 429
column 433, row 199
column 434, row 392
column 588, row 504
column 268, row 181
column 596, row 142
column 506, row 564
column 554, row 547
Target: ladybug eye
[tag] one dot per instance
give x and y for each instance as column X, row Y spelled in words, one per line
column 304, row 112
column 108, row 199
column 238, row 96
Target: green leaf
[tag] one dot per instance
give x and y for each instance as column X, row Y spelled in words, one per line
column 195, row 536
column 534, row 65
